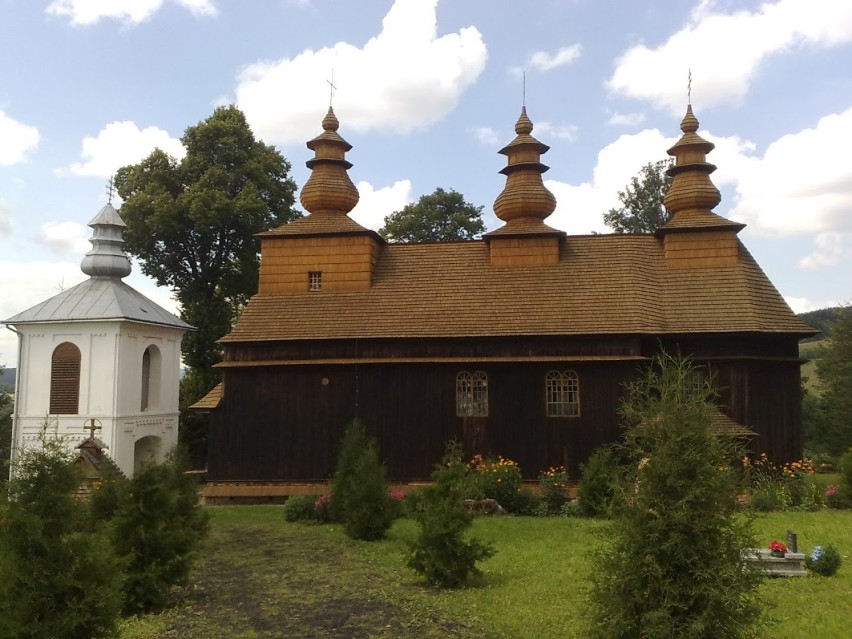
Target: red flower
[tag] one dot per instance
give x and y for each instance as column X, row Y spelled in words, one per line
column 777, row 545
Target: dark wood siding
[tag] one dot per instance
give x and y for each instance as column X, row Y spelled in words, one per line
column 291, row 419
column 285, row 422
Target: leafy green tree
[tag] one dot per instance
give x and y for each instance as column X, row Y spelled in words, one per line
column 442, row 216
column 157, row 527
column 834, row 368
column 440, row 552
column 359, row 493
column 642, row 209
column 192, row 224
column 674, row 566
column 58, row 578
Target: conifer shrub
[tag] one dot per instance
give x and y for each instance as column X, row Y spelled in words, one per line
column 359, row 493
column 58, row 578
column 599, row 484
column 157, row 529
column 440, row 552
column 674, row 565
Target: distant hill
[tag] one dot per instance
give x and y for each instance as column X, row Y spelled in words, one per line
column 821, row 320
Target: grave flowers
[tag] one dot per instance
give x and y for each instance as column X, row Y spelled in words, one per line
column 777, row 549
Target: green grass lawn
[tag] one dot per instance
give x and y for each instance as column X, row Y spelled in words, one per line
column 259, row 576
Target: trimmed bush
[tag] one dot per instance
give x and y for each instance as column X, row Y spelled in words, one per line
column 300, row 508
column 440, row 552
column 527, row 503
column 674, row 566
column 359, row 493
column 824, row 561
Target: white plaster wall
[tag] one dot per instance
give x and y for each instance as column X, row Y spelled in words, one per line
column 110, row 385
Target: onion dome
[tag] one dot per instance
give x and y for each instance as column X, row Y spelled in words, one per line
column 107, row 258
column 692, row 195
column 329, row 189
column 525, row 201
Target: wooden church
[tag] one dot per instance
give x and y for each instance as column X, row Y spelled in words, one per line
column 518, row 344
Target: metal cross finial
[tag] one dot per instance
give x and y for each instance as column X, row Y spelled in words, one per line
column 689, row 88
column 94, row 425
column 110, row 189
column 331, row 89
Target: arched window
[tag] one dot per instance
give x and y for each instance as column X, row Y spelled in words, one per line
column 65, row 380
column 562, row 394
column 151, row 370
column 471, row 394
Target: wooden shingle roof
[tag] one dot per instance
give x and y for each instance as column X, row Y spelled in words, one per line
column 210, row 401
column 603, row 284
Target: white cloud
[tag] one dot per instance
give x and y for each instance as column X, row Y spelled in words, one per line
column 626, row 119
column 831, row 249
column 544, row 61
column 802, row 184
column 561, row 131
column 376, row 204
column 122, row 143
column 404, row 79
column 65, row 237
column 88, row 12
column 725, row 50
column 43, row 280
column 485, row 135
column 17, row 139
column 805, row 305
column 580, row 207
column 5, row 220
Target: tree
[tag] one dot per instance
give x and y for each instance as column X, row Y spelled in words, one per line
column 192, row 224
column 157, row 526
column 642, row 209
column 359, row 493
column 834, row 368
column 442, row 216
column 58, row 578
column 440, row 551
column 674, row 566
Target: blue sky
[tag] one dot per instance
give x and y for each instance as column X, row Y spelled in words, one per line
column 427, row 92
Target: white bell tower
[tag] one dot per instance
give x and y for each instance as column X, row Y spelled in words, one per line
column 100, row 351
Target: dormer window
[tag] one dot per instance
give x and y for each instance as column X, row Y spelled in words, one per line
column 314, row 280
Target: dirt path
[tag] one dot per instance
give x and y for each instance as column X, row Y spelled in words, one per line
column 256, row 582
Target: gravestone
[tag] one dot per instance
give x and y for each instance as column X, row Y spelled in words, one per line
column 792, row 541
